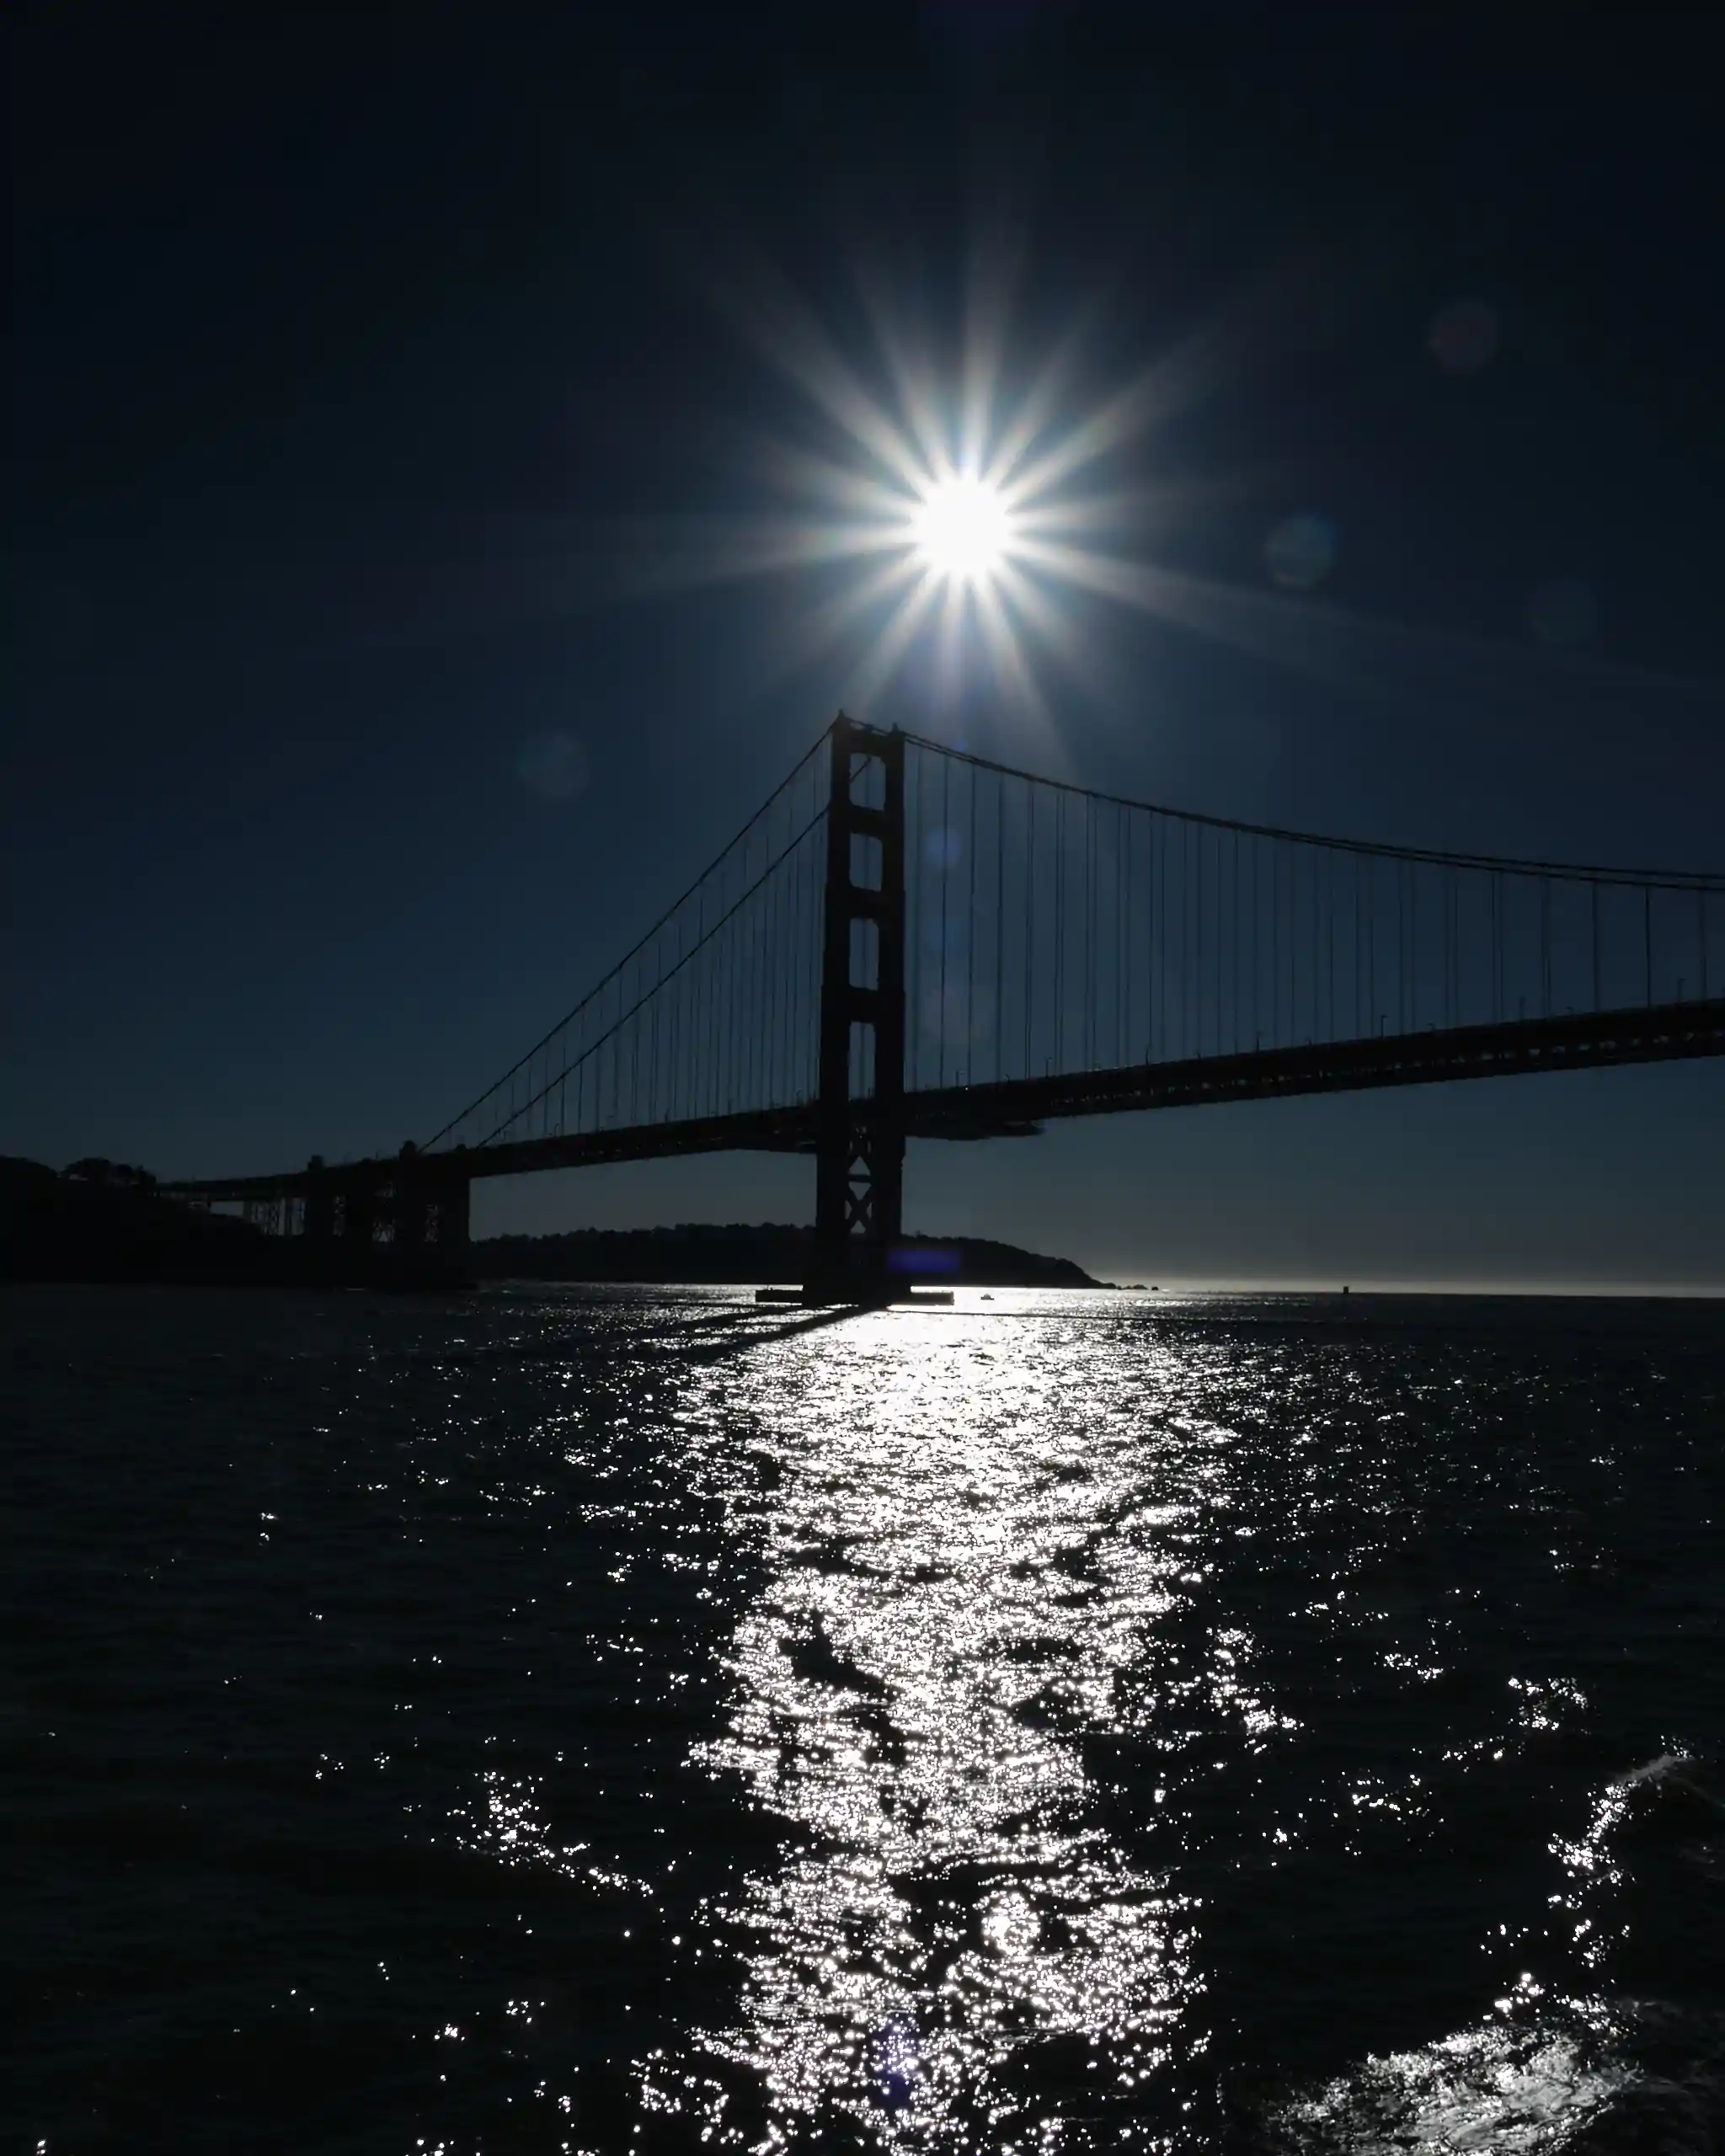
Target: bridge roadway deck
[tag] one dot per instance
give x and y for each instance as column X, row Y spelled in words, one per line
column 1018, row 1107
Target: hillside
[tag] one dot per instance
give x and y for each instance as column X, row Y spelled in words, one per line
column 744, row 1257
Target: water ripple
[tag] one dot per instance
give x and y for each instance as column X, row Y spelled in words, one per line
column 594, row 1722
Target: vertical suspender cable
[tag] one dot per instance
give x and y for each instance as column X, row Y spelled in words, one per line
column 1059, row 1053
column 1593, row 901
column 1257, row 914
column 1185, row 940
column 773, row 976
column 1090, row 929
column 999, row 927
column 1239, row 953
column 970, row 945
column 1198, row 946
column 914, row 874
column 1123, row 884
column 1158, row 892
column 1357, row 1030
column 1412, row 948
column 1029, row 913
column 945, row 870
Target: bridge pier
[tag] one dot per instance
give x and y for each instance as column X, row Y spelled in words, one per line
column 319, row 1215
column 357, row 1221
column 454, row 1223
column 430, row 1208
column 405, row 1224
column 860, row 1144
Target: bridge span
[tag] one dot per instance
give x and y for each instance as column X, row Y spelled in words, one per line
column 908, row 942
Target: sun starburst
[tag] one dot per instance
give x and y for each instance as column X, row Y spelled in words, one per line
column 965, row 499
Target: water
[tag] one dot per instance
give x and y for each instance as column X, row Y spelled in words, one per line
column 612, row 1721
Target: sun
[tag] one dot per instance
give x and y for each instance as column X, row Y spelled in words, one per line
column 963, row 530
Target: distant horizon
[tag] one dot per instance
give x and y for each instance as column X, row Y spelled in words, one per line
column 1208, row 1284
column 1548, row 1291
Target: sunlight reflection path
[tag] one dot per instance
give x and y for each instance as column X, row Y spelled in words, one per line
column 1084, row 1728
column 955, row 1586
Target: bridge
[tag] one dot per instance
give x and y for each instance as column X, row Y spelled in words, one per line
column 906, row 940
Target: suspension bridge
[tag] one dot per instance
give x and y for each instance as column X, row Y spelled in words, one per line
column 907, row 941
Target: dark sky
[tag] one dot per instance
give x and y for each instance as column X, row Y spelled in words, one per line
column 385, row 387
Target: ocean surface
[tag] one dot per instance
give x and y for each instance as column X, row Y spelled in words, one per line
column 610, row 1721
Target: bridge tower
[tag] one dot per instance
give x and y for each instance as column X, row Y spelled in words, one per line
column 860, row 1147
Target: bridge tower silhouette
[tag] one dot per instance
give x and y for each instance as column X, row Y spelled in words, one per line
column 859, row 1176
